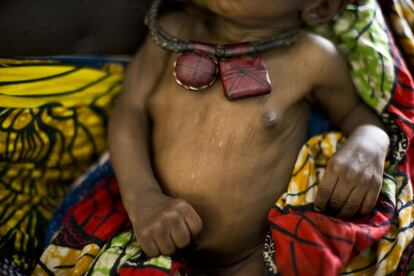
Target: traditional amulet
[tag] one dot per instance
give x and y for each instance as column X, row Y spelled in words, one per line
column 195, row 71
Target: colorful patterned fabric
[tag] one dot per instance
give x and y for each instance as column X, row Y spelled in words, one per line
column 400, row 15
column 53, row 118
column 330, row 246
column 96, row 235
column 300, row 241
column 304, row 242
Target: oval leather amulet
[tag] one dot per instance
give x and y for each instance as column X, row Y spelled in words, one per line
column 195, row 71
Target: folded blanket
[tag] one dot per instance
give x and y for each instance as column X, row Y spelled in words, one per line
column 53, row 120
column 94, row 234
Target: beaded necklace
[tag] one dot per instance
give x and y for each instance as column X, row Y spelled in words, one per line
column 241, row 69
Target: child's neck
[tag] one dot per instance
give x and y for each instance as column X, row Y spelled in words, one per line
column 226, row 31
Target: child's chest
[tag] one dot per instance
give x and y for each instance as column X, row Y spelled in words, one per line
column 289, row 83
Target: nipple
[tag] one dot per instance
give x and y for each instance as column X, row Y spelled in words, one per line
column 269, row 119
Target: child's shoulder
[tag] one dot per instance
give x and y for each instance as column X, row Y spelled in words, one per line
column 317, row 47
column 321, row 55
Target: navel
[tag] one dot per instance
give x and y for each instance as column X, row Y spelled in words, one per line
column 269, row 119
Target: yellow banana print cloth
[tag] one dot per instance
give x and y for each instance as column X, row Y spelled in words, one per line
column 53, row 117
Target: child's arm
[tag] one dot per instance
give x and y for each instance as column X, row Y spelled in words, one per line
column 353, row 177
column 161, row 223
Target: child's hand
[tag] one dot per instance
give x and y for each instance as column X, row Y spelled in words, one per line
column 164, row 224
column 353, row 178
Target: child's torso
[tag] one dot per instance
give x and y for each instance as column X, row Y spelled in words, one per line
column 226, row 158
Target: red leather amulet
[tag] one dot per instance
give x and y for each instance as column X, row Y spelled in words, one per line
column 194, row 71
column 244, row 77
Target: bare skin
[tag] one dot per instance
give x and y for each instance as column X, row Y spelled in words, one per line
column 199, row 172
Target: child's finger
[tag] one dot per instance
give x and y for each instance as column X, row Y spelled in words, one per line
column 193, row 221
column 341, row 193
column 180, row 235
column 325, row 189
column 352, row 204
column 147, row 243
column 150, row 248
column 370, row 199
column 164, row 243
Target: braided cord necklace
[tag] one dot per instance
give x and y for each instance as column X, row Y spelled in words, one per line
column 241, row 69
